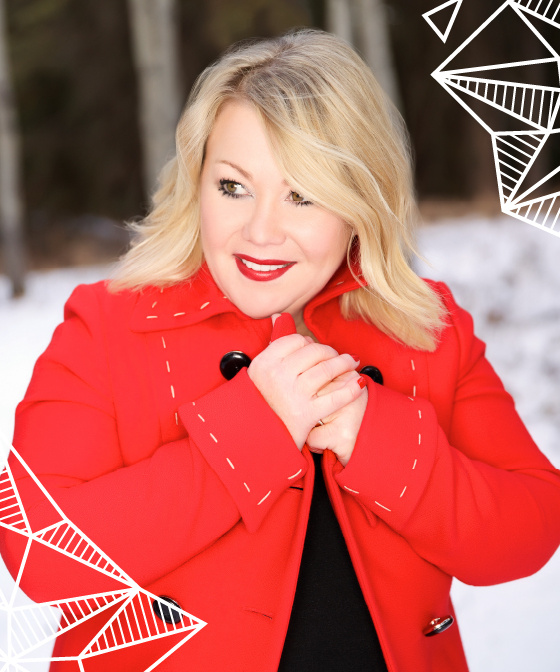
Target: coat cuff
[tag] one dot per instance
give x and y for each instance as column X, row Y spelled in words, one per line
column 246, row 444
column 394, row 455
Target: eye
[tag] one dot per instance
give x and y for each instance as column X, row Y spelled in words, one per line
column 232, row 188
column 298, row 199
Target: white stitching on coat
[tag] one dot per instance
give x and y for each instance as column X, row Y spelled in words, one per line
column 262, row 500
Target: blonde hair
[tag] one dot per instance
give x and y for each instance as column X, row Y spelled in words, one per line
column 337, row 139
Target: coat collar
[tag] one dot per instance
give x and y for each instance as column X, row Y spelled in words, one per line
column 199, row 298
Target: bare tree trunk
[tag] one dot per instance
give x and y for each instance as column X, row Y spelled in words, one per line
column 339, row 19
column 11, row 218
column 155, row 45
column 364, row 24
column 374, row 40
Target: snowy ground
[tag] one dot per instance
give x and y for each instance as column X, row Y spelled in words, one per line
column 507, row 274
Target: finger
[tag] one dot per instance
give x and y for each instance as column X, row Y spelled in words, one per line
column 306, row 358
column 327, row 370
column 282, row 325
column 338, row 382
column 329, row 403
column 284, row 346
column 320, row 438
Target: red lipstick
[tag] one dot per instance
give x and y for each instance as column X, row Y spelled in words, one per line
column 261, row 275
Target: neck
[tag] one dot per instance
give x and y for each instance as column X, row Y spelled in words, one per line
column 301, row 327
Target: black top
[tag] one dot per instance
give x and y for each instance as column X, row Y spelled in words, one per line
column 330, row 627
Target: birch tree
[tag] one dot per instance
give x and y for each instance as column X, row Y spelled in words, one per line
column 339, row 19
column 155, row 48
column 364, row 24
column 11, row 215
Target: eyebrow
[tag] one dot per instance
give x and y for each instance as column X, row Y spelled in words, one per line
column 245, row 174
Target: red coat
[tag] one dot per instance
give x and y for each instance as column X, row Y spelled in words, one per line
column 195, row 488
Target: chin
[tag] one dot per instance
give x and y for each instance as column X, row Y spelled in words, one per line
column 259, row 312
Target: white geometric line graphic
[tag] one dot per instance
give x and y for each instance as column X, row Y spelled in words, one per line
column 428, row 17
column 547, row 10
column 514, row 154
column 134, row 615
column 528, row 114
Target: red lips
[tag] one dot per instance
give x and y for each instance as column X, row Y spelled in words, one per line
column 262, row 276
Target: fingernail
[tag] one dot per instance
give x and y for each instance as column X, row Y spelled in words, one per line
column 362, row 382
column 354, row 357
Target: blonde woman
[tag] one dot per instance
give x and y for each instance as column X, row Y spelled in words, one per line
column 266, row 417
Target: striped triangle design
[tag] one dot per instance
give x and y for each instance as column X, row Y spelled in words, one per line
column 513, row 156
column 547, row 9
column 67, row 539
column 12, row 514
column 32, row 626
column 535, row 105
column 136, row 623
column 541, row 212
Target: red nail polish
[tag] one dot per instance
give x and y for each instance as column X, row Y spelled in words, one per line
column 354, row 357
column 362, row 382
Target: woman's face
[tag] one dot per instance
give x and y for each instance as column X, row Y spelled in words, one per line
column 268, row 248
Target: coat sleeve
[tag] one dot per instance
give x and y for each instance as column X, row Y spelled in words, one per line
column 151, row 516
column 482, row 502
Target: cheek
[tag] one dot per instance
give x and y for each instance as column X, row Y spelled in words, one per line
column 330, row 245
column 212, row 230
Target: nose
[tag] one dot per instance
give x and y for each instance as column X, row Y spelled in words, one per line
column 264, row 225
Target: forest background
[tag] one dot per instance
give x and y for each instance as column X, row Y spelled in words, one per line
column 77, row 88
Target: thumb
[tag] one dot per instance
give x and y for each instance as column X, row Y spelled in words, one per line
column 282, row 325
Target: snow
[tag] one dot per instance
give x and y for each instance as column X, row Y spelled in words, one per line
column 507, row 274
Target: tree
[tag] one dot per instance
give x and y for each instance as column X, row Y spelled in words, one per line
column 364, row 24
column 155, row 46
column 11, row 215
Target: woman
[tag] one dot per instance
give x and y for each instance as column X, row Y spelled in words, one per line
column 265, row 310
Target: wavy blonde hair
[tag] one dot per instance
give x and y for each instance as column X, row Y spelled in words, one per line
column 337, row 139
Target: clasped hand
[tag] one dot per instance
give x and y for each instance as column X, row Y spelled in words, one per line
column 306, row 382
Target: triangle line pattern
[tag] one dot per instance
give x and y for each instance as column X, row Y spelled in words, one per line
column 30, row 626
column 14, row 519
column 512, row 98
column 526, row 197
column 427, row 16
column 120, row 631
column 54, row 618
column 63, row 534
column 532, row 215
column 498, row 66
column 546, row 9
column 518, row 150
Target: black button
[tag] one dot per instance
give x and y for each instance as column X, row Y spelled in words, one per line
column 232, row 363
column 374, row 373
column 438, row 625
column 167, row 612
